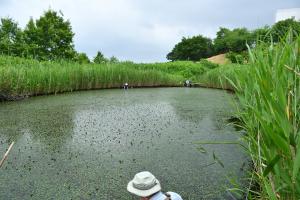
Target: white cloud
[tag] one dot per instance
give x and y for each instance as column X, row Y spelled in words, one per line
column 283, row 14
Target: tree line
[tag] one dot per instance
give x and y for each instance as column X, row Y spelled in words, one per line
column 48, row 38
column 234, row 41
column 51, row 38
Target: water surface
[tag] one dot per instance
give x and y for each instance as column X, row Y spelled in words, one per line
column 88, row 145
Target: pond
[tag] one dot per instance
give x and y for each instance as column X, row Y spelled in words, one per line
column 88, row 145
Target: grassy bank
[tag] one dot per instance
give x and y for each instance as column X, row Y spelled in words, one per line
column 219, row 77
column 29, row 77
column 25, row 77
column 268, row 89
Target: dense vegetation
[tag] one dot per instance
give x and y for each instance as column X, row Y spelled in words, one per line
column 233, row 41
column 47, row 38
column 193, row 49
column 20, row 76
column 269, row 93
column 268, row 89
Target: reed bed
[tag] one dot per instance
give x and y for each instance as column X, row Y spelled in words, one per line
column 187, row 69
column 269, row 96
column 222, row 76
column 29, row 77
column 20, row 76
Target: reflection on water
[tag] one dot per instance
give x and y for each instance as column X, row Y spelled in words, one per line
column 88, row 145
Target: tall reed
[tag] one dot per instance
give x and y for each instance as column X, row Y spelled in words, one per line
column 269, row 94
column 220, row 76
column 30, row 77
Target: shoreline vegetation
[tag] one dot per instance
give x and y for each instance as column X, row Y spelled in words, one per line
column 20, row 77
column 269, row 98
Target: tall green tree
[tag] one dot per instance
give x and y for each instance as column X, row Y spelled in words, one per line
column 281, row 28
column 81, row 58
column 31, row 39
column 220, row 42
column 193, row 49
column 113, row 59
column 235, row 40
column 262, row 34
column 11, row 38
column 99, row 58
column 52, row 36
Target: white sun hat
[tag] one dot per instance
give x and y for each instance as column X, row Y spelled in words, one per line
column 144, row 184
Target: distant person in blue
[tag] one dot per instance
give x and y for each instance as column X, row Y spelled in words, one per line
column 146, row 186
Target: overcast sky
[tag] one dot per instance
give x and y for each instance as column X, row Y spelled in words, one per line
column 146, row 30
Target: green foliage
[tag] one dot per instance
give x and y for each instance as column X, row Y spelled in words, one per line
column 218, row 77
column 281, row 28
column 54, row 37
column 268, row 90
column 32, row 77
column 240, row 58
column 208, row 64
column 31, row 40
column 82, row 58
column 113, row 59
column 48, row 38
column 269, row 94
column 11, row 37
column 99, row 58
column 232, row 40
column 262, row 34
column 220, row 44
column 186, row 69
column 192, row 49
column 19, row 76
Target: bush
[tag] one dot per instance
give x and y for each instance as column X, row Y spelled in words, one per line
column 208, row 64
column 240, row 58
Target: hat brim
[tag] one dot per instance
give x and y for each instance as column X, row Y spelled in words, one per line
column 143, row 193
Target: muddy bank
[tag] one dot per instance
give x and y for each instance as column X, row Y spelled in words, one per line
column 9, row 97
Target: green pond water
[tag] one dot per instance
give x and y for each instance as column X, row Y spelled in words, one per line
column 88, row 145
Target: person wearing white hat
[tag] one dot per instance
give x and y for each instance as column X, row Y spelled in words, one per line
column 146, row 186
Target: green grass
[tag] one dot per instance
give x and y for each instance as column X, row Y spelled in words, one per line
column 269, row 95
column 219, row 77
column 268, row 89
column 187, row 69
column 20, row 76
column 29, row 77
